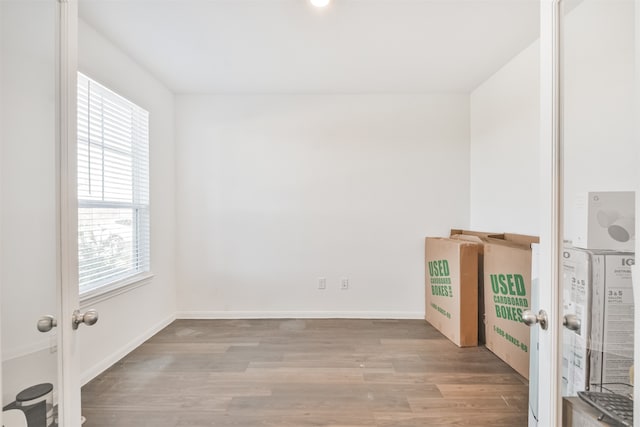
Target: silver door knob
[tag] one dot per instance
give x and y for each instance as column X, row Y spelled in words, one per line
column 530, row 318
column 571, row 322
column 89, row 317
column 47, row 323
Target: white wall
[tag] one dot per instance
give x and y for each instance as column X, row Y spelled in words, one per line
column 128, row 319
column 28, row 216
column 274, row 192
column 505, row 131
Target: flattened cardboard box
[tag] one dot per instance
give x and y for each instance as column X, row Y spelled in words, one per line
column 507, row 293
column 479, row 238
column 451, row 290
column 461, row 232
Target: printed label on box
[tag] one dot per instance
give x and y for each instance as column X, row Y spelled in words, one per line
column 507, row 272
column 451, row 289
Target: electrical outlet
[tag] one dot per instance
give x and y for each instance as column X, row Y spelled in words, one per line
column 344, row 283
column 322, row 283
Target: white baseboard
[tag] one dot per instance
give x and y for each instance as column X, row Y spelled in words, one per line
column 299, row 315
column 107, row 362
column 34, row 347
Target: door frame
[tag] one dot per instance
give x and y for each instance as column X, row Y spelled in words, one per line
column 636, row 268
column 69, row 383
column 1, row 144
column 549, row 398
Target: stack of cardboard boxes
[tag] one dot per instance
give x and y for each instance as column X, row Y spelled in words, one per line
column 598, row 294
column 478, row 285
column 488, row 286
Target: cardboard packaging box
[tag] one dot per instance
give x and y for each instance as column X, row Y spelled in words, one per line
column 461, row 232
column 597, row 288
column 605, row 221
column 507, row 293
column 451, row 289
column 478, row 237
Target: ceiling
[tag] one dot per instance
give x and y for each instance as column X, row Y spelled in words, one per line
column 288, row 46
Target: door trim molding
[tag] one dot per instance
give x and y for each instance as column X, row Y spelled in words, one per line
column 1, row 142
column 550, row 399
column 69, row 379
column 636, row 269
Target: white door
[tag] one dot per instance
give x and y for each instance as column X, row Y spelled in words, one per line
column 38, row 258
column 590, row 148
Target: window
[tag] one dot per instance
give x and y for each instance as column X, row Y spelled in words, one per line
column 113, row 187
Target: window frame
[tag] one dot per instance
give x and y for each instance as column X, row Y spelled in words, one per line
column 131, row 279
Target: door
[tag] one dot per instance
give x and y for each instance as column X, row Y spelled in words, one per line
column 38, row 264
column 590, row 176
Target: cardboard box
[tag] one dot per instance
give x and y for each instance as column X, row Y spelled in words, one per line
column 507, row 293
column 461, row 232
column 605, row 221
column 480, row 239
column 597, row 288
column 451, row 291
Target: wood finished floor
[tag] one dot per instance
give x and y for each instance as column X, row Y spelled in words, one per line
column 298, row 373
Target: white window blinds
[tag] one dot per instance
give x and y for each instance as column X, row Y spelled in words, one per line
column 113, row 186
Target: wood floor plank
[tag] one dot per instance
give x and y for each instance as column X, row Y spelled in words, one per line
column 305, row 372
column 443, row 378
column 154, row 348
column 467, row 406
column 481, row 390
column 478, row 419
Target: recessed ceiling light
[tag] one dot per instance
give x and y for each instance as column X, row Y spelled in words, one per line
column 320, row 3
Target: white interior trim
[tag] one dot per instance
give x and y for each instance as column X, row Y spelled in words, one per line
column 1, row 142
column 636, row 268
column 114, row 289
column 108, row 361
column 34, row 347
column 299, row 315
column 67, row 211
column 549, row 397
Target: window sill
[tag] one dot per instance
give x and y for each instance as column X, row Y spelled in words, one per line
column 114, row 289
